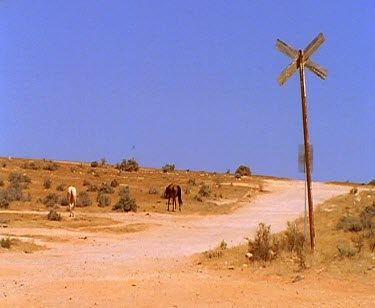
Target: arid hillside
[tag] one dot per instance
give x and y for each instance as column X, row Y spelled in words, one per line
column 199, row 257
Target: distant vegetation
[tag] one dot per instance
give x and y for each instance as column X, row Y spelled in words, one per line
column 31, row 182
column 242, row 170
column 128, row 165
column 168, row 168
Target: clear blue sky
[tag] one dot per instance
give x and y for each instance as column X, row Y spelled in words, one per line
column 190, row 83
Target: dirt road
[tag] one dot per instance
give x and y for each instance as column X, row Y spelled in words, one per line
column 154, row 268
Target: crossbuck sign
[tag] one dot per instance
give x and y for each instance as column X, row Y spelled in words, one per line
column 301, row 59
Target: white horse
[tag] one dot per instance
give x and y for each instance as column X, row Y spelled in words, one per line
column 72, row 197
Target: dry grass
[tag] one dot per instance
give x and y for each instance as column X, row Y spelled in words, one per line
column 327, row 258
column 226, row 190
column 19, row 245
column 146, row 186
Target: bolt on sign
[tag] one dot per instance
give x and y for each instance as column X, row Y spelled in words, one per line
column 300, row 60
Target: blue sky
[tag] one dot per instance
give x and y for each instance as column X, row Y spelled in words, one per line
column 190, row 83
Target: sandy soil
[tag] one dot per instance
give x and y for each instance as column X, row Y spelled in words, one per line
column 156, row 267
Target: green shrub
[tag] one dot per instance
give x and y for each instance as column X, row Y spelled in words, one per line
column 372, row 182
column 242, row 170
column 94, row 164
column 54, row 215
column 168, row 168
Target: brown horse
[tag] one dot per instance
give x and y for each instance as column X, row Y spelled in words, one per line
column 174, row 191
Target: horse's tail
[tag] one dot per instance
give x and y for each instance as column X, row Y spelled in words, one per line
column 179, row 194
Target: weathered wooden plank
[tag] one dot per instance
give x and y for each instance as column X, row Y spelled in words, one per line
column 316, row 69
column 286, row 49
column 287, row 72
column 313, row 46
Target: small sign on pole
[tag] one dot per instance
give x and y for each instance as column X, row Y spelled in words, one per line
column 300, row 60
column 302, row 160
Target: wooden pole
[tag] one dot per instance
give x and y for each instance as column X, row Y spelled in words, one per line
column 307, row 148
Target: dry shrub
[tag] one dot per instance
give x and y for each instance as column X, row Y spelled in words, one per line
column 54, row 215
column 106, row 188
column 83, row 199
column 242, row 170
column 5, row 243
column 51, row 199
column 50, row 166
column 4, row 203
column 153, row 191
column 47, row 183
column 261, row 247
column 114, row 183
column 168, row 168
column 204, row 191
column 103, row 200
column 128, row 165
column 17, row 178
column 125, row 203
column 61, row 187
column 217, row 252
column 294, row 238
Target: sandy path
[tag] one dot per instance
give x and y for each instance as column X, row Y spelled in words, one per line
column 152, row 268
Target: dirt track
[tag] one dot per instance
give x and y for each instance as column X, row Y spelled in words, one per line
column 154, row 268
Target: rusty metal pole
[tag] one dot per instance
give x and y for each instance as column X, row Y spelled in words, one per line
column 307, row 148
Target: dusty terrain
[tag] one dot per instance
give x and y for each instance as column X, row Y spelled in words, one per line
column 158, row 267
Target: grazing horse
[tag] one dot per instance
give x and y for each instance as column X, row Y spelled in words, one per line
column 174, row 191
column 72, row 198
